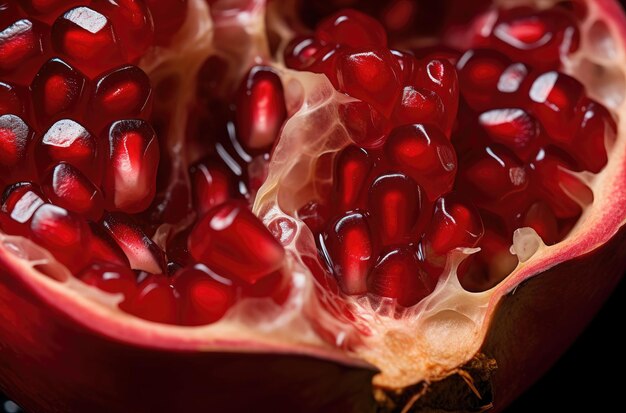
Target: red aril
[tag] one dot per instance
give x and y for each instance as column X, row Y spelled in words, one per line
column 351, row 170
column 133, row 25
column 370, row 76
column 21, row 47
column 15, row 136
column 329, row 208
column 19, row 203
column 10, row 101
column 62, row 233
column 156, row 300
column 205, row 296
column 104, row 248
column 67, row 187
column 395, row 202
column 228, row 232
column 82, row 34
column 140, row 250
column 213, row 185
column 398, row 275
column 131, row 165
column 48, row 10
column 124, row 92
column 347, row 247
column 56, row 90
column 111, row 278
column 423, row 152
column 260, row 109
column 353, row 29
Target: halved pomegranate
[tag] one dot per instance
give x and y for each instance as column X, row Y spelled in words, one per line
column 249, row 205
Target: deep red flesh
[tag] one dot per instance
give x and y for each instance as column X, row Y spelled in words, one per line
column 449, row 150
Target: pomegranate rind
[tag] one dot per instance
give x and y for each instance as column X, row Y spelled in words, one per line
column 53, row 362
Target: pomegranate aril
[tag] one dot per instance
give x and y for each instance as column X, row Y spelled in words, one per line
column 67, row 187
column 21, row 51
column 10, row 100
column 588, row 145
column 539, row 38
column 371, row 76
column 48, row 10
column 86, row 38
column 492, row 174
column 9, row 13
column 178, row 250
column 103, row 247
column 168, row 16
column 62, row 233
column 440, row 76
column 408, row 65
column 398, row 274
column 479, row 74
column 261, row 109
column 394, row 203
column 142, row 253
column 273, row 286
column 347, row 247
column 455, row 224
column 133, row 25
column 325, row 61
column 212, row 184
column 353, row 29
column 541, row 218
column 417, row 105
column 314, row 215
column 557, row 187
column 555, row 99
column 366, row 126
column 56, row 91
column 131, row 166
column 15, row 137
column 205, row 297
column 68, row 141
column 512, row 78
column 233, row 242
column 302, row 52
column 111, row 278
column 122, row 93
column 425, row 154
column 513, row 127
column 19, row 203
column 352, row 167
column 156, row 300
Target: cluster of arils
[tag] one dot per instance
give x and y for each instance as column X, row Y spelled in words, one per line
column 525, row 127
column 400, row 200
column 80, row 159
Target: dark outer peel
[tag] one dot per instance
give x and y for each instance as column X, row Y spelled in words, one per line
column 542, row 317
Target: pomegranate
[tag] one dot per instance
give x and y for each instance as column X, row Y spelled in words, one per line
column 391, row 206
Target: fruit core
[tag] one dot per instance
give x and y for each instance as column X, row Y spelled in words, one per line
column 443, row 147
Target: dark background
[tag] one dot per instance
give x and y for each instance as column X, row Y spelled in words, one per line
column 578, row 381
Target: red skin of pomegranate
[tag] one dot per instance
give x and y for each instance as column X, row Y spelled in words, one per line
column 54, row 359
